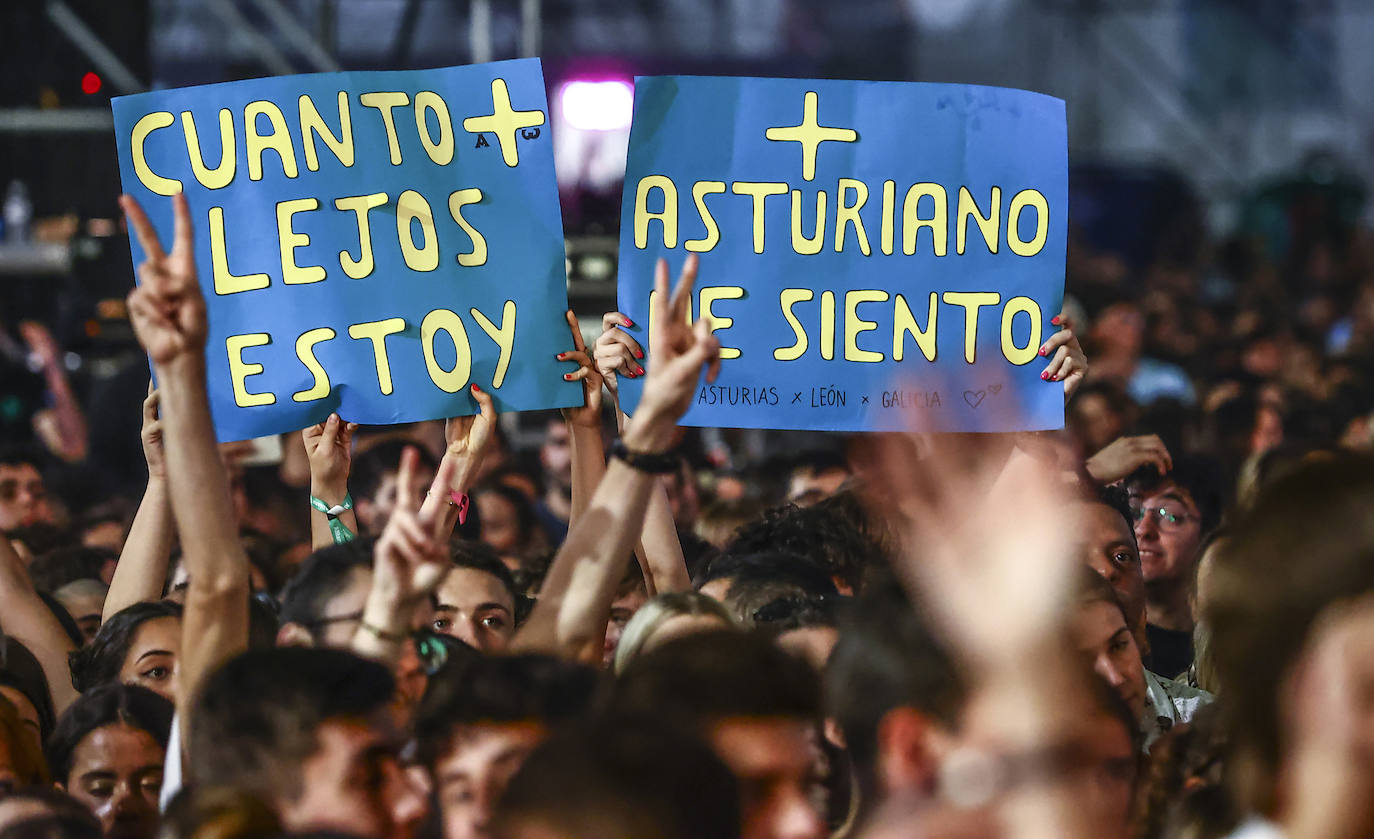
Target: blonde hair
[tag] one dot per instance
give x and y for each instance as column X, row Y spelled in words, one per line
column 652, row 615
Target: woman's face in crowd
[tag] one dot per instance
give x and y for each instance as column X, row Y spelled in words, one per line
column 1104, row 640
column 117, row 773
column 152, row 658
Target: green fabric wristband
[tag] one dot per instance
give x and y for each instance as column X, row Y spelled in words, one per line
column 337, row 529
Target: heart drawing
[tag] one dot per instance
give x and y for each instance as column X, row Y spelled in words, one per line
column 974, row 398
column 994, row 389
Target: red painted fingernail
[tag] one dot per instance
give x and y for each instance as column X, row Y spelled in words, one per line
column 639, row 353
column 1054, row 378
column 1055, row 320
column 1042, row 351
column 560, row 355
column 1045, row 376
column 475, row 388
column 639, row 371
column 567, row 377
column 629, row 322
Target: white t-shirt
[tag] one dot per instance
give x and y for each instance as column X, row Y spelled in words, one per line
column 1168, row 703
column 1257, row 828
column 171, row 767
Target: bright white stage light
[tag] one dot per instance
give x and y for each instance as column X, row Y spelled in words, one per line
column 598, row 105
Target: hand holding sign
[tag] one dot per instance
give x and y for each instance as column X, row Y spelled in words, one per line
column 616, row 352
column 329, row 446
column 1068, row 362
column 167, row 309
column 589, row 415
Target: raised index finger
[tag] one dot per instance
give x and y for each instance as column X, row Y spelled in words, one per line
column 181, row 235
column 405, row 477
column 682, row 294
column 143, row 228
column 578, row 343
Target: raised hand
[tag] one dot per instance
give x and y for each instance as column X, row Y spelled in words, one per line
column 678, row 352
column 1124, row 455
column 589, row 415
column 151, row 435
column 41, row 343
column 1068, row 362
column 987, row 541
column 616, row 352
column 468, row 438
column 329, row 446
column 167, row 308
column 409, row 560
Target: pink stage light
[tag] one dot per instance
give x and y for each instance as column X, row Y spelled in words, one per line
column 598, row 105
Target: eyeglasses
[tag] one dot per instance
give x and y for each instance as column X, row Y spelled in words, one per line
column 1168, row 519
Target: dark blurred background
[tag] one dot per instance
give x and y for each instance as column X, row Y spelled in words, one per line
column 1219, row 148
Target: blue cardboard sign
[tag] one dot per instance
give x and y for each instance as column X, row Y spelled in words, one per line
column 874, row 255
column 370, row 243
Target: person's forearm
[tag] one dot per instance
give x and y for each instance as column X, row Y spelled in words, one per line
column 142, row 568
column 575, row 600
column 215, row 622
column 456, row 475
column 659, row 550
column 26, row 618
column 588, row 466
column 71, row 422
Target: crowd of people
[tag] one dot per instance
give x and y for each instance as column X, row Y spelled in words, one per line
column 1156, row 623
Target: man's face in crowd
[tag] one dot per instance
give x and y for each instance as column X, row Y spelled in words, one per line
column 117, row 773
column 23, row 498
column 85, row 608
column 556, row 456
column 348, row 603
column 622, row 609
column 684, row 500
column 1103, row 639
column 474, row 607
column 775, row 760
column 353, row 782
column 373, row 513
column 500, row 521
column 1110, row 765
column 152, row 658
column 475, row 770
column 1168, row 530
column 1108, row 546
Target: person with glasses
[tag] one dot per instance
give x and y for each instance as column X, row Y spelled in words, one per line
column 1172, row 515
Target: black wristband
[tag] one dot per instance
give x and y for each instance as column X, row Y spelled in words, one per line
column 663, row 463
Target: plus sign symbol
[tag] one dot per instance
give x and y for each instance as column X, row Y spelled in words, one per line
column 504, row 121
column 810, row 133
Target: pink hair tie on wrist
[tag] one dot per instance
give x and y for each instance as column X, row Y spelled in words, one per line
column 459, row 500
